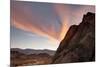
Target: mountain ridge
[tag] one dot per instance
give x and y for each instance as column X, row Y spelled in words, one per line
column 33, row 51
column 79, row 39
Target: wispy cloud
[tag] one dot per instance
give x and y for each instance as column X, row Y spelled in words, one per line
column 62, row 13
column 23, row 18
column 29, row 19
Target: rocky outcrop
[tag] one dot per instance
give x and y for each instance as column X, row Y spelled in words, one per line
column 79, row 42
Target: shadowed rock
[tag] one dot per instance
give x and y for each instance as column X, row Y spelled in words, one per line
column 79, row 42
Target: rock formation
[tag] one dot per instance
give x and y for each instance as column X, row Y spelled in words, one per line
column 79, row 42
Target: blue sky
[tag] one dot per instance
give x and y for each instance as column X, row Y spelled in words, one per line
column 38, row 25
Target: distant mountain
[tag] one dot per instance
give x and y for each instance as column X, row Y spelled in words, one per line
column 20, row 57
column 79, row 42
column 33, row 51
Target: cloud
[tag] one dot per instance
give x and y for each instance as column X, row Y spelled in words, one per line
column 62, row 13
column 24, row 18
column 27, row 18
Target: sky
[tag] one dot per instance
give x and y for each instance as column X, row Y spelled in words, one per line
column 37, row 25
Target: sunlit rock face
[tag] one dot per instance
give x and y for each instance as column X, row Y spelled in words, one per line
column 79, row 42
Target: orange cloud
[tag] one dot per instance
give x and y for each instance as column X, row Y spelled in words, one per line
column 32, row 23
column 61, row 11
column 31, row 28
